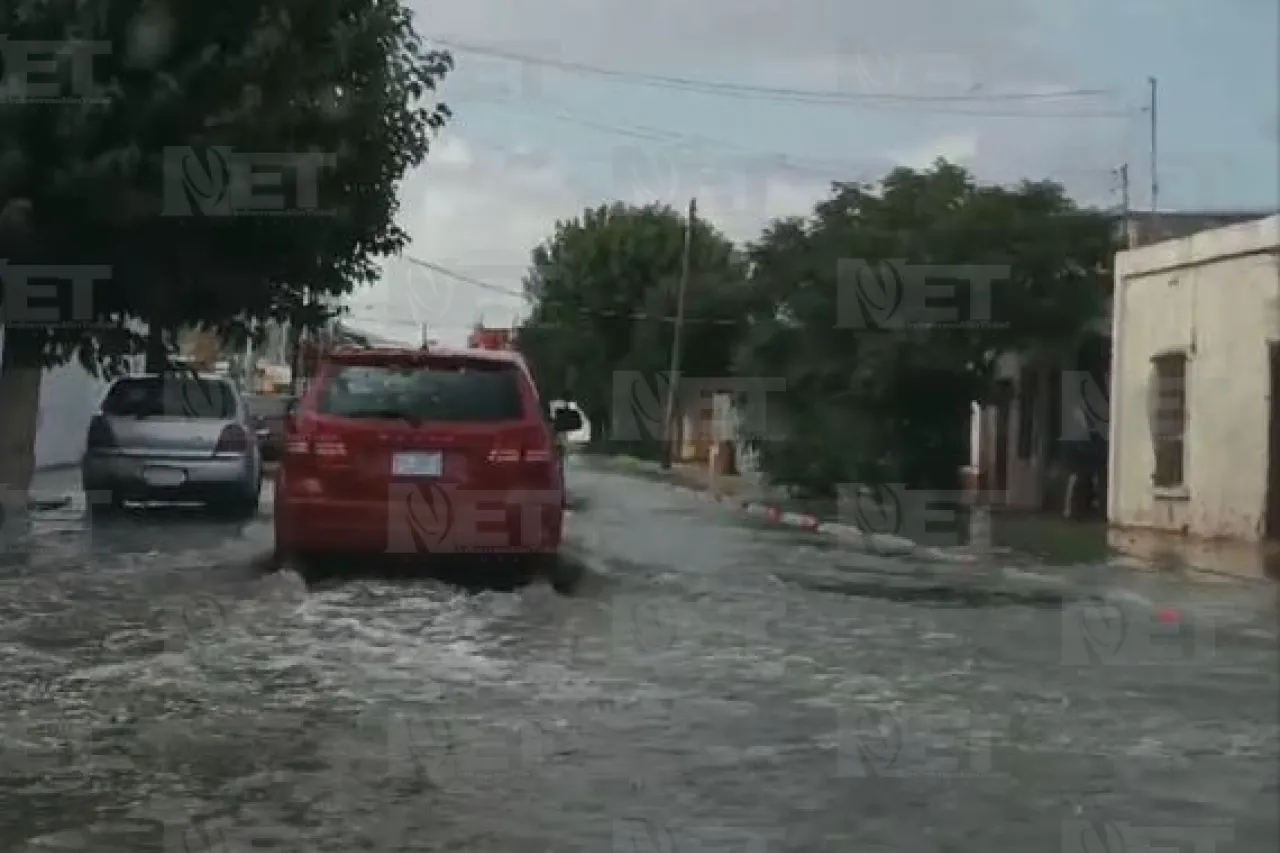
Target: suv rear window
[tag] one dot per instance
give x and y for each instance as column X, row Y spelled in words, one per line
column 172, row 397
column 451, row 393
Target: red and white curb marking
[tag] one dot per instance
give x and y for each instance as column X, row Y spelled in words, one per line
column 881, row 542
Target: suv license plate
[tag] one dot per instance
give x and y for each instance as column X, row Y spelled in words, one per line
column 416, row 465
column 164, row 476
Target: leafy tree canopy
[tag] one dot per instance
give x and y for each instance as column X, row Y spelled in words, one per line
column 126, row 128
column 604, row 291
column 885, row 311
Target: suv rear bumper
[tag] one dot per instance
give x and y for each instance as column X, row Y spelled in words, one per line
column 488, row 525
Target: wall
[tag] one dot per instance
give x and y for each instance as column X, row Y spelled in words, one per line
column 1216, row 295
column 69, row 395
column 1026, row 478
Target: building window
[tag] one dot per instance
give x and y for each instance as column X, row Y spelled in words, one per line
column 1168, row 413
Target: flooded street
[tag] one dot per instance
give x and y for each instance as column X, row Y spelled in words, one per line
column 713, row 685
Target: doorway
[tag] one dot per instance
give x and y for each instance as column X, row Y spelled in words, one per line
column 1004, row 414
column 1273, row 444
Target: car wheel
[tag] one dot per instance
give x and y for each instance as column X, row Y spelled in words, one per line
column 240, row 508
column 559, row 572
column 100, row 507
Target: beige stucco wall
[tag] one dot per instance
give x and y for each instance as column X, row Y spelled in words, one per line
column 1215, row 295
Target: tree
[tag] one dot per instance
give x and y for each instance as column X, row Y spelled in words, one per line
column 604, row 288
column 137, row 167
column 885, row 398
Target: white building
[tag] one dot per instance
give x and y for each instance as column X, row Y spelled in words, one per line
column 1195, row 389
column 68, row 398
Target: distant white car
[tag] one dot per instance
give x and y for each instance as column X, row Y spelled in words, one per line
column 580, row 437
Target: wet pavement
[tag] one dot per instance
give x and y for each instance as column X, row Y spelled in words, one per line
column 712, row 685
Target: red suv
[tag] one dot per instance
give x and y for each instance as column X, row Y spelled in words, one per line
column 421, row 452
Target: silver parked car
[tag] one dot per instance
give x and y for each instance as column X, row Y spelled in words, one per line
column 173, row 437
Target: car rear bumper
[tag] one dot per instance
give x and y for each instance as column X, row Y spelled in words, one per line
column 127, row 477
column 513, row 523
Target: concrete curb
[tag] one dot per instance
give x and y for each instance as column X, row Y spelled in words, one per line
column 882, row 543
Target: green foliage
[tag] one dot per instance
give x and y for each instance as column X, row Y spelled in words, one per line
column 83, row 179
column 887, row 403
column 890, row 403
column 604, row 288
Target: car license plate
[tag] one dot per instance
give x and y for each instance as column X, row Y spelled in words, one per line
column 164, row 476
column 417, row 465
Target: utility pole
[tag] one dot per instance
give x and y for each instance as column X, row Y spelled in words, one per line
column 1152, row 109
column 1126, row 206
column 673, row 376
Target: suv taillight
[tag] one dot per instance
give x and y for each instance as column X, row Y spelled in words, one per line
column 315, row 447
column 100, row 434
column 531, row 446
column 233, row 440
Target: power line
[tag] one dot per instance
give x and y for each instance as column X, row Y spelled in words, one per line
column 466, row 279
column 829, row 170
column 740, row 90
column 586, row 312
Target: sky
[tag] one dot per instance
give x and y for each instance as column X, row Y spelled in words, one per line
column 902, row 83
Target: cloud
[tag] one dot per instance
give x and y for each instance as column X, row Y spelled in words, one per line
column 478, row 210
column 959, row 148
column 487, row 197
column 833, row 36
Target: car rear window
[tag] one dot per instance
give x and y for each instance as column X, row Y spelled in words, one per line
column 171, row 396
column 451, row 393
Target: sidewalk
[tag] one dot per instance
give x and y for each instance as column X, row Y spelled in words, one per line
column 688, row 475
column 54, row 483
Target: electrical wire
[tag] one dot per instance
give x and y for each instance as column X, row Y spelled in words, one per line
column 789, row 95
column 485, row 285
column 465, row 279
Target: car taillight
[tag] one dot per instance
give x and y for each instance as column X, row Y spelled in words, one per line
column 233, row 440
column 100, row 434
column 525, row 447
column 318, row 447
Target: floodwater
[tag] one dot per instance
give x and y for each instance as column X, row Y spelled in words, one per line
column 712, row 685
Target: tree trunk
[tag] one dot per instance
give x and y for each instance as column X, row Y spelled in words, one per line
column 157, row 352
column 295, row 358
column 20, row 374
